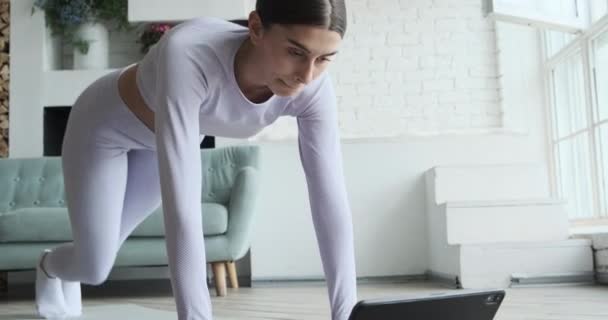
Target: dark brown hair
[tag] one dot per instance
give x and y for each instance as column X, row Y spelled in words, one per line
column 326, row 13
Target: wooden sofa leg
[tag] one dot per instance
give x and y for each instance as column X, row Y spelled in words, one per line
column 219, row 274
column 3, row 281
column 234, row 281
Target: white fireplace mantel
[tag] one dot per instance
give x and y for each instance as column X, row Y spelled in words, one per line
column 178, row 10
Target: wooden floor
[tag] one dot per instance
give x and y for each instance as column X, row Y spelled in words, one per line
column 309, row 301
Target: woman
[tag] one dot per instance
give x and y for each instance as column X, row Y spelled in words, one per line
column 133, row 139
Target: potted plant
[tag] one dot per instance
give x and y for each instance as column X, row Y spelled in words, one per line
column 84, row 24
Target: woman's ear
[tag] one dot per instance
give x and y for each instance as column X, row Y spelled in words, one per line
column 256, row 28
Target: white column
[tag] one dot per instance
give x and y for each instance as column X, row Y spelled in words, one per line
column 27, row 64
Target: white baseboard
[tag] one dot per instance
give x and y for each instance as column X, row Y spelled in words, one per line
column 524, row 280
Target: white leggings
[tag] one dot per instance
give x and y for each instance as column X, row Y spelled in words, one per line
column 112, row 184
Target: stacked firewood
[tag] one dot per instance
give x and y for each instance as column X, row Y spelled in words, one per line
column 4, row 75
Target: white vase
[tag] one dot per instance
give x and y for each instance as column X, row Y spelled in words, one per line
column 98, row 55
column 52, row 51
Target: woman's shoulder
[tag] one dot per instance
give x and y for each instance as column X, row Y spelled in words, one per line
column 205, row 42
column 204, row 30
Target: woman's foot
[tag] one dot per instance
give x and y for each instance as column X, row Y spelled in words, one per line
column 50, row 302
column 73, row 298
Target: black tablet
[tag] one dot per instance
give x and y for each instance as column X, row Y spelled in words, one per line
column 479, row 305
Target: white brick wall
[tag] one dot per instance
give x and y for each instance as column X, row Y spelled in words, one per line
column 413, row 66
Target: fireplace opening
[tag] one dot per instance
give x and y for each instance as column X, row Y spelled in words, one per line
column 55, row 120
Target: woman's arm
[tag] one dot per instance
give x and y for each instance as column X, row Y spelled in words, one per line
column 319, row 147
column 181, row 87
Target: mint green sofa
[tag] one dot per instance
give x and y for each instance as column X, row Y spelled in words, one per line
column 33, row 215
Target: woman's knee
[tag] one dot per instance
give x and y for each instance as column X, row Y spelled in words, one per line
column 96, row 266
column 96, row 274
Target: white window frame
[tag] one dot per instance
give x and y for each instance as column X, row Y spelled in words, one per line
column 504, row 10
column 542, row 15
column 584, row 44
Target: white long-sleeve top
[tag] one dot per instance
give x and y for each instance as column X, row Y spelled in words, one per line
column 188, row 80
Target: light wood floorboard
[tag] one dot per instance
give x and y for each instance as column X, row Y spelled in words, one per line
column 306, row 301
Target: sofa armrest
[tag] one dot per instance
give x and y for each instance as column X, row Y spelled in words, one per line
column 241, row 210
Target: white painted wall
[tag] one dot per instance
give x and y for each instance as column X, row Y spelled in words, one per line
column 387, row 195
column 418, row 85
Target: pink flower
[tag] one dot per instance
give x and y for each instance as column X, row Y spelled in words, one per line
column 160, row 27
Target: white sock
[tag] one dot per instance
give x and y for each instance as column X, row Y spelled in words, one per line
column 73, row 298
column 49, row 294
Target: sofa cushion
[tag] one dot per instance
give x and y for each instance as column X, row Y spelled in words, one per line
column 35, row 225
column 215, row 217
column 53, row 224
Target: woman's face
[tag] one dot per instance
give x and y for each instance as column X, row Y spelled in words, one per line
column 294, row 55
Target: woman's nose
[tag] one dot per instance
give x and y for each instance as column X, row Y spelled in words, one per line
column 306, row 73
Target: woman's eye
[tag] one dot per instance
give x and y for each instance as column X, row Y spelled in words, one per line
column 323, row 60
column 296, row 53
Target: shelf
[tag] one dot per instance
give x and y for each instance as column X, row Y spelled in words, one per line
column 179, row 10
column 62, row 87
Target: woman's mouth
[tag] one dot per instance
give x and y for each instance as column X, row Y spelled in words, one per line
column 286, row 84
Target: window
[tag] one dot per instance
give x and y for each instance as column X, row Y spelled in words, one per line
column 576, row 61
column 569, row 97
column 598, row 9
column 571, row 137
column 579, row 118
column 556, row 41
column 600, row 54
column 562, row 15
column 600, row 73
column 602, row 146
